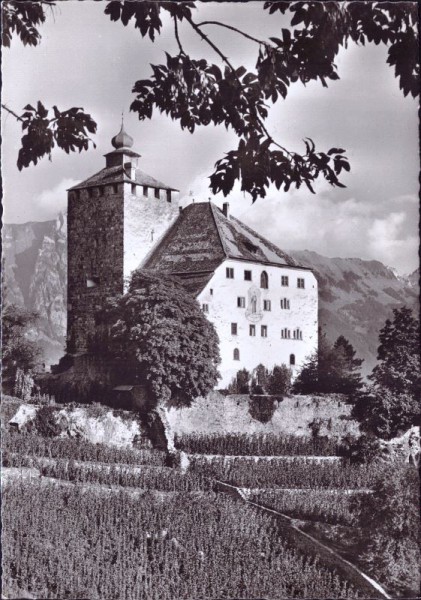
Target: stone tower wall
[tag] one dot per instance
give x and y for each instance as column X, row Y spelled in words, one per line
column 95, row 257
column 146, row 219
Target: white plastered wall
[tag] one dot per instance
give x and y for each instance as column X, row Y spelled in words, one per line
column 272, row 350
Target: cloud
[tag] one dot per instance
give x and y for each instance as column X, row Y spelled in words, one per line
column 49, row 203
column 328, row 222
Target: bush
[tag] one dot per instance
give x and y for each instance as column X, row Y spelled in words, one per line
column 262, row 408
column 45, row 422
column 279, row 381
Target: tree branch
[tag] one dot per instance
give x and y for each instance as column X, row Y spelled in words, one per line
column 177, row 37
column 225, row 59
column 17, row 117
column 243, row 33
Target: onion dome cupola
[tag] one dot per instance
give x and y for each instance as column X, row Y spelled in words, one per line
column 122, row 139
column 123, row 151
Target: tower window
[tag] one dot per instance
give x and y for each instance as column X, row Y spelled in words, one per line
column 92, row 282
column 284, row 280
column 168, row 195
column 264, row 330
column 236, row 354
column 230, row 273
column 252, row 330
column 297, row 334
column 234, row 330
column 300, row 283
column 78, row 194
column 266, row 305
column 157, row 193
column 205, row 308
column 264, row 280
column 241, row 302
column 292, row 359
column 145, row 190
column 247, row 275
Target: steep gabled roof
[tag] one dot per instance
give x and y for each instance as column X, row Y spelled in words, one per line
column 201, row 238
column 118, row 174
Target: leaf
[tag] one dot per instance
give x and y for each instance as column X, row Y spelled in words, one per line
column 336, row 151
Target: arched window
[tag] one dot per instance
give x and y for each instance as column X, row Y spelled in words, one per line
column 292, row 359
column 236, row 354
column 264, row 280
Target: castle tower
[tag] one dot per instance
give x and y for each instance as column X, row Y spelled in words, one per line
column 114, row 219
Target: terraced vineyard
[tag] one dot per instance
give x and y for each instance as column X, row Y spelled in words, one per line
column 95, row 522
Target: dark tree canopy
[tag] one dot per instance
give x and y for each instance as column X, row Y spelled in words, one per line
column 332, row 369
column 390, row 405
column 158, row 336
column 18, row 352
column 196, row 92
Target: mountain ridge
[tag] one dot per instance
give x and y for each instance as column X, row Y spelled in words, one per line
column 356, row 296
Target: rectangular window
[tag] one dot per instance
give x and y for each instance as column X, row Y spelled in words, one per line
column 115, row 188
column 157, row 193
column 247, row 275
column 211, row 292
column 101, row 190
column 205, row 308
column 284, row 303
column 252, row 330
column 230, row 273
column 264, row 330
column 145, row 190
column 133, row 189
column 241, row 302
column 266, row 305
column 168, row 195
column 284, row 280
column 90, row 192
column 300, row 283
column 78, row 194
column 233, row 328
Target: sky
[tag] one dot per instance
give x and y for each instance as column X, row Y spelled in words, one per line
column 87, row 60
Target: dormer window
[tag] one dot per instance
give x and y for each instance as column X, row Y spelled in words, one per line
column 251, row 247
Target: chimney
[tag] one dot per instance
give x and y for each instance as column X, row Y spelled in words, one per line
column 226, row 209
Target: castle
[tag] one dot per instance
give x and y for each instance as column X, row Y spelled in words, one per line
column 261, row 302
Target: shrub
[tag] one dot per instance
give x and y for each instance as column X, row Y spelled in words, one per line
column 262, row 408
column 45, row 421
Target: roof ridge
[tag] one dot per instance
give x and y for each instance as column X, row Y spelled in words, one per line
column 221, row 239
column 270, row 244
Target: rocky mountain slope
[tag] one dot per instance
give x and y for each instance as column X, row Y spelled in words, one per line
column 356, row 296
column 35, row 267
